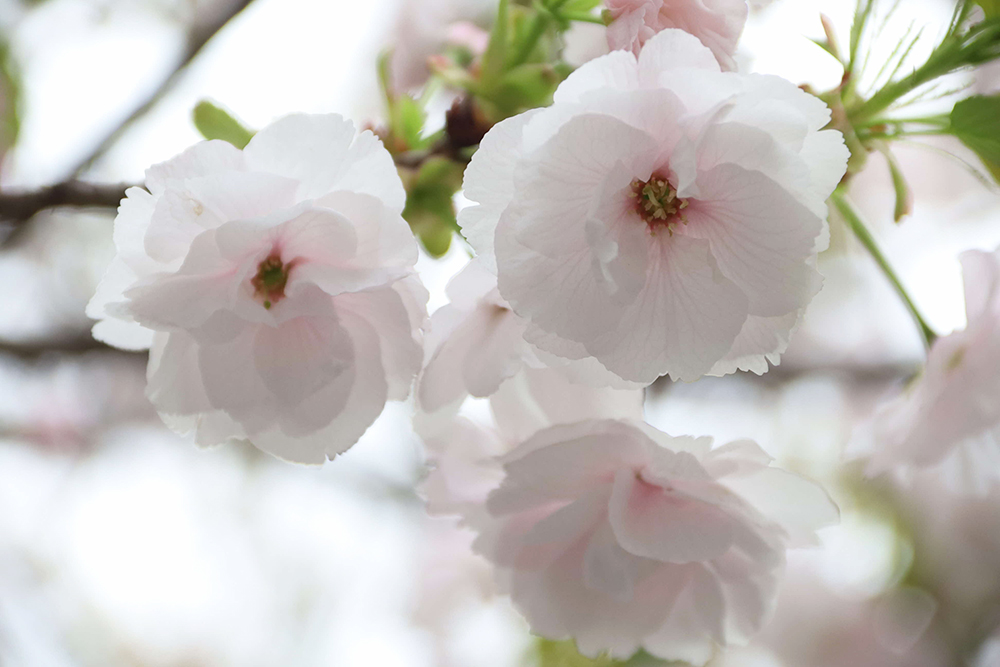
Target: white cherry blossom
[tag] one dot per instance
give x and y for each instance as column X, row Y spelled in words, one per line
column 624, row 538
column 662, row 216
column 274, row 286
column 949, row 418
column 717, row 23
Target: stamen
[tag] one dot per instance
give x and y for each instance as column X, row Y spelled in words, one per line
column 270, row 281
column 658, row 204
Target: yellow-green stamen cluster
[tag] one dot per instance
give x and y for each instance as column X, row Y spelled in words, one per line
column 269, row 283
column 658, row 204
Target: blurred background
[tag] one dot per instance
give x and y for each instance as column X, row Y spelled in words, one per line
column 123, row 545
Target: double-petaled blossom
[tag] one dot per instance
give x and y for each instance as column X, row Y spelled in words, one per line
column 717, row 23
column 274, row 285
column 624, row 538
column 950, row 416
column 661, row 216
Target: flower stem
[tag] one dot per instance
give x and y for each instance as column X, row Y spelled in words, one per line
column 857, row 225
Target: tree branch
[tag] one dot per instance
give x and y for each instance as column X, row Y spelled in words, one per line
column 199, row 36
column 32, row 351
column 17, row 207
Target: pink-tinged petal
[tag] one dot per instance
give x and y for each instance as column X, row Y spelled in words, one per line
column 481, row 352
column 202, row 159
column 617, row 71
column 674, row 49
column 684, row 320
column 387, row 310
column 761, row 237
column 749, row 593
column 607, row 567
column 538, row 398
column 123, row 334
column 303, row 355
column 981, row 273
column 325, row 154
column 551, row 531
column 489, row 181
column 658, row 523
column 800, row 506
column 563, row 461
column 186, row 299
column 762, row 340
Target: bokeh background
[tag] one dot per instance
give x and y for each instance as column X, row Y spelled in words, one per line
column 123, row 545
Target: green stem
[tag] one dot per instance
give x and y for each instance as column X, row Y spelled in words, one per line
column 857, row 225
column 539, row 24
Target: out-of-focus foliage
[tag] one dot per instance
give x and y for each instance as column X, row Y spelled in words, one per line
column 10, row 99
column 976, row 122
column 216, row 123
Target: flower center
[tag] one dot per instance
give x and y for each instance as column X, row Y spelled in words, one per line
column 657, row 203
column 269, row 283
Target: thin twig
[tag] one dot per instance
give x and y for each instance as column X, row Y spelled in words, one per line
column 196, row 41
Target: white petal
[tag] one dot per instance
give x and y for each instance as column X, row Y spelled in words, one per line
column 981, row 274
column 761, row 237
column 684, row 321
column 325, row 154
column 202, row 159
column 761, row 340
column 673, row 49
column 489, row 181
column 617, row 70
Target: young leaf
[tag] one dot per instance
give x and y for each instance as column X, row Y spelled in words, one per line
column 429, row 203
column 216, row 123
column 976, row 123
column 408, row 119
column 10, row 99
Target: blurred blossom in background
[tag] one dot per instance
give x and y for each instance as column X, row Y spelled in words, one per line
column 122, row 545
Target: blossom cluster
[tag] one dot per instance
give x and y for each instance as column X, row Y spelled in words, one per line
column 662, row 216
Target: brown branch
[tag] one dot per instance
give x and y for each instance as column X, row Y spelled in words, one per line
column 198, row 37
column 19, row 206
column 32, row 351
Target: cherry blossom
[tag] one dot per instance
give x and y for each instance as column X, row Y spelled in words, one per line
column 661, row 216
column 273, row 285
column 950, row 417
column 623, row 537
column 717, row 23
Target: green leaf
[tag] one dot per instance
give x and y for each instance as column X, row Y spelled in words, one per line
column 976, row 123
column 216, row 123
column 579, row 5
column 990, row 7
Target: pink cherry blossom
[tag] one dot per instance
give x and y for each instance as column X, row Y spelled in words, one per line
column 717, row 23
column 661, row 216
column 622, row 537
column 950, row 417
column 274, row 286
